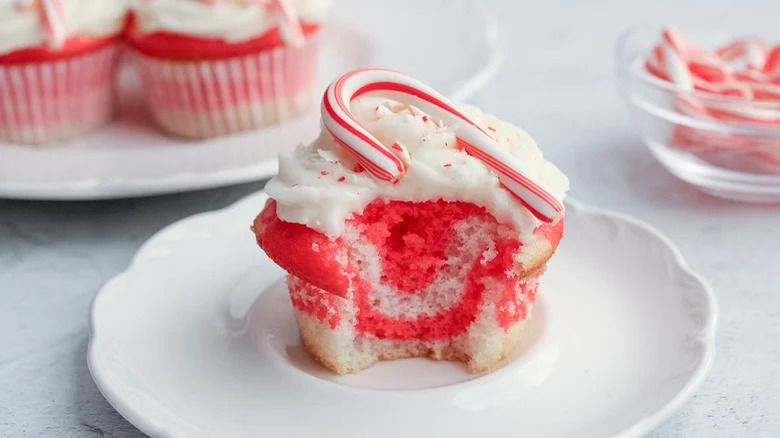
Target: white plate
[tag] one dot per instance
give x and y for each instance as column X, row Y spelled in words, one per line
column 622, row 336
column 131, row 158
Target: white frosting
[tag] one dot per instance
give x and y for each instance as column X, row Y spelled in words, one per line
column 308, row 191
column 229, row 20
column 21, row 27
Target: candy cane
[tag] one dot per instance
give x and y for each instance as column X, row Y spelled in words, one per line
column 751, row 49
column 753, row 76
column 673, row 37
column 289, row 24
column 707, row 66
column 709, row 72
column 385, row 163
column 772, row 63
column 655, row 63
column 675, row 54
column 675, row 58
column 52, row 18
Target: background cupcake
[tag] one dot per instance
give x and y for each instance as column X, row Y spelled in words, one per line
column 57, row 65
column 211, row 68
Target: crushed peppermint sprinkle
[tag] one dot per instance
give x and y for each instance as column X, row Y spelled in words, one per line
column 324, row 173
column 415, row 111
column 328, row 155
column 342, row 179
column 384, row 164
column 492, row 128
column 425, row 119
column 448, row 165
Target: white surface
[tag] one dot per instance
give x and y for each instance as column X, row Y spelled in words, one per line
column 556, row 82
column 197, row 338
column 130, row 157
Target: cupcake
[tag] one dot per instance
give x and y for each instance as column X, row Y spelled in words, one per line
column 411, row 227
column 215, row 67
column 58, row 60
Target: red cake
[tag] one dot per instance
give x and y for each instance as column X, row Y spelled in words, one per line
column 386, row 269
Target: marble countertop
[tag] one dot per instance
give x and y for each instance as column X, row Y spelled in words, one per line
column 557, row 82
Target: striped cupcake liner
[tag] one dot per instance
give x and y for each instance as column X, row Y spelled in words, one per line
column 208, row 98
column 47, row 101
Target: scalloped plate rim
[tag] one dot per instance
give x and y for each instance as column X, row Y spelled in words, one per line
column 709, row 327
column 643, row 426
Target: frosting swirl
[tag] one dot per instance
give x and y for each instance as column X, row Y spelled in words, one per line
column 319, row 187
column 231, row 21
column 21, row 26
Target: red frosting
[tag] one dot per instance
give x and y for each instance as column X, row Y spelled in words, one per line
column 73, row 46
column 171, row 45
column 301, row 251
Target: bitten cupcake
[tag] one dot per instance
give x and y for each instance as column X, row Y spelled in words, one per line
column 412, row 227
column 215, row 67
column 57, row 64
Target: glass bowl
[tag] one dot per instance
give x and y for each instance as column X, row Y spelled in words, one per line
column 727, row 157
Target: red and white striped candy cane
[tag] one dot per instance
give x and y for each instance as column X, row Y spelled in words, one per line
column 654, row 63
column 752, row 50
column 772, row 63
column 708, row 66
column 289, row 23
column 52, row 19
column 386, row 164
column 675, row 58
column 766, row 91
column 674, row 55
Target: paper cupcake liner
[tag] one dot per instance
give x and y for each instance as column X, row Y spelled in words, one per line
column 208, row 98
column 46, row 101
